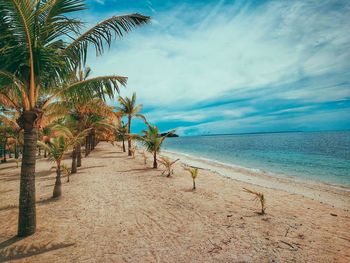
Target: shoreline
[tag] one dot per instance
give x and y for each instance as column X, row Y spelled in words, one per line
column 332, row 194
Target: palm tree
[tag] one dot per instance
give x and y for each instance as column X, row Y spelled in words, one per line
column 57, row 147
column 129, row 108
column 122, row 131
column 153, row 140
column 194, row 173
column 41, row 44
column 168, row 164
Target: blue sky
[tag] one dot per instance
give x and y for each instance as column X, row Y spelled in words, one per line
column 208, row 67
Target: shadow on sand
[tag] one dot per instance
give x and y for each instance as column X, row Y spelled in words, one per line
column 40, row 202
column 137, row 170
column 23, row 251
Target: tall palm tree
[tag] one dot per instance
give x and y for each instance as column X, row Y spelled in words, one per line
column 129, row 109
column 152, row 140
column 40, row 47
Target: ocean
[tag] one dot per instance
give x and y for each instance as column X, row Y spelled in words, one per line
column 315, row 156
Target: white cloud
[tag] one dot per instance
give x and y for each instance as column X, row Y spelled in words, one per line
column 189, row 55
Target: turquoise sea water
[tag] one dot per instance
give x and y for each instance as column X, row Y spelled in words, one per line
column 317, row 156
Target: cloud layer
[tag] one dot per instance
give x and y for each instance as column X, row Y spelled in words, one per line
column 220, row 68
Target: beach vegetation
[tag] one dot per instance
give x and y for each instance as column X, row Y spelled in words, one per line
column 152, row 140
column 57, row 147
column 129, row 109
column 122, row 132
column 194, row 174
column 168, row 165
column 259, row 197
column 41, row 45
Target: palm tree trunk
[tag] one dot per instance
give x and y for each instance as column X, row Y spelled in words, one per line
column 155, row 165
column 57, row 191
column 45, row 153
column 74, row 161
column 194, row 185
column 79, row 155
column 10, row 153
column 93, row 140
column 16, row 151
column 1, row 154
column 4, row 151
column 124, row 146
column 27, row 209
column 87, row 146
column 129, row 139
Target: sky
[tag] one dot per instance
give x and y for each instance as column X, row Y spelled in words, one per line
column 220, row 67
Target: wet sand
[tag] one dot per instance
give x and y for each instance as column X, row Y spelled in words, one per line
column 116, row 209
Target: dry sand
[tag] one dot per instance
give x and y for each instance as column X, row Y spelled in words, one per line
column 115, row 209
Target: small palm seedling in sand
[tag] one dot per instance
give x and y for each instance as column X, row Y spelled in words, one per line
column 144, row 155
column 259, row 197
column 194, row 173
column 168, row 164
column 133, row 150
column 17, row 162
column 66, row 170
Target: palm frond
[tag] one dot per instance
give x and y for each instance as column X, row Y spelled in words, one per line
column 102, row 34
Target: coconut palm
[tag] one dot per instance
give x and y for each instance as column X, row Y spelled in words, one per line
column 168, row 164
column 122, row 132
column 152, row 140
column 57, row 147
column 194, row 173
column 129, row 109
column 41, row 44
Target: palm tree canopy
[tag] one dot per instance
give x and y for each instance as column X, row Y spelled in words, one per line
column 64, row 140
column 128, row 106
column 192, row 170
column 41, row 45
column 152, row 139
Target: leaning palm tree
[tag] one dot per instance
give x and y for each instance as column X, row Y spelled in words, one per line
column 57, row 147
column 152, row 140
column 129, row 109
column 41, row 45
column 194, row 173
column 168, row 165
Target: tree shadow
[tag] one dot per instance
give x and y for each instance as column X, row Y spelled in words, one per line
column 12, row 167
column 8, row 207
column 10, row 241
column 13, row 177
column 24, row 251
column 44, row 173
column 137, row 170
column 47, row 200
column 111, row 157
column 89, row 167
column 42, row 201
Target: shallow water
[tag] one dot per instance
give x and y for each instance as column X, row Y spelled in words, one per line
column 318, row 156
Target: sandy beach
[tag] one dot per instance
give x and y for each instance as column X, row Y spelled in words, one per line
column 116, row 209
